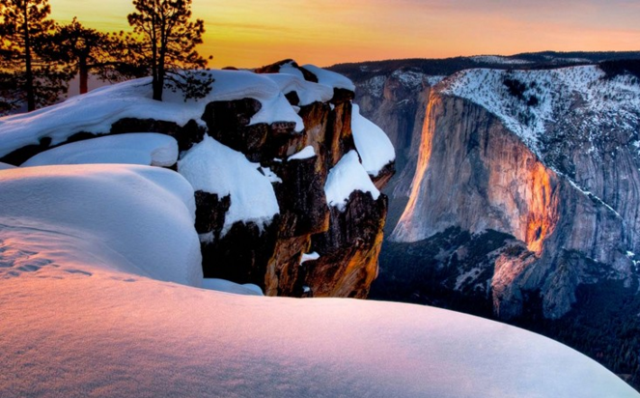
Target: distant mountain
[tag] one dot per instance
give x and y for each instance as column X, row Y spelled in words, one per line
column 518, row 192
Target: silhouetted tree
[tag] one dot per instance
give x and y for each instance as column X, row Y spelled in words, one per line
column 88, row 51
column 168, row 43
column 26, row 75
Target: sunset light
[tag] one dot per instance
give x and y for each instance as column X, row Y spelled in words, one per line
column 249, row 33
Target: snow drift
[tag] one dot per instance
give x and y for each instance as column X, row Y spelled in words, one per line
column 79, row 318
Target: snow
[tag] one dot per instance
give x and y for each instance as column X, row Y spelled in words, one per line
column 222, row 285
column 73, row 219
column 5, row 166
column 497, row 59
column 433, row 80
column 306, row 153
column 308, row 92
column 112, row 336
column 309, row 257
column 331, row 79
column 409, row 78
column 344, row 178
column 603, row 100
column 97, row 110
column 373, row 145
column 271, row 176
column 215, row 168
column 92, row 259
column 289, row 69
column 148, row 149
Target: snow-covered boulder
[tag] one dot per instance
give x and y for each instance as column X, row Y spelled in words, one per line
column 257, row 151
column 143, row 148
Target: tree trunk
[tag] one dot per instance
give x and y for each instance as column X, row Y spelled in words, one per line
column 84, row 75
column 31, row 98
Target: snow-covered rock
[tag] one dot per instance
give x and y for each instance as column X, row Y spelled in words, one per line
column 143, row 148
column 331, row 79
column 345, row 178
column 372, row 144
column 306, row 153
column 214, row 168
column 308, row 92
column 96, row 111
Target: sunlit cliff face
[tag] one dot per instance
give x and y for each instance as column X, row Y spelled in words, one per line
column 543, row 209
column 474, row 174
column 423, row 158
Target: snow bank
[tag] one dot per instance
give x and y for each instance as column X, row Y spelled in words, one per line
column 73, row 335
column 345, row 177
column 331, row 79
column 148, row 149
column 97, row 110
column 5, row 166
column 306, row 153
column 215, row 168
column 136, row 219
column 222, row 285
column 289, row 69
column 308, row 92
column 373, row 145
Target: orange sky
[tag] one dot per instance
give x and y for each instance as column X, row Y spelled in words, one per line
column 248, row 33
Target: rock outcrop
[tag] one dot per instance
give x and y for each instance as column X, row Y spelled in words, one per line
column 258, row 151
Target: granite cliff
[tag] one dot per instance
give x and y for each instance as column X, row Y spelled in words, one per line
column 518, row 192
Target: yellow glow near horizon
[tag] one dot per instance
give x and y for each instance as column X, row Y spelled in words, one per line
column 249, row 33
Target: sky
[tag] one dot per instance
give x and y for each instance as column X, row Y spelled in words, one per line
column 251, row 33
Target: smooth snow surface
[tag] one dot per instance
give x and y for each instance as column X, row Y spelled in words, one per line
column 215, row 168
column 5, row 166
column 306, row 153
column 373, row 145
column 97, row 110
column 148, row 149
column 103, row 335
column 222, row 285
column 331, row 79
column 308, row 92
column 344, row 178
column 71, row 219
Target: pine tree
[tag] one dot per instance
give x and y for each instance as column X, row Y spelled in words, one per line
column 168, row 43
column 88, row 51
column 26, row 75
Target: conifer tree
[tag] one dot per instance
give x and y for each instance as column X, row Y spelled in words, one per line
column 26, row 75
column 168, row 41
column 88, row 51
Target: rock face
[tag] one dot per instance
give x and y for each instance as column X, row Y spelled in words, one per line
column 257, row 152
column 518, row 198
